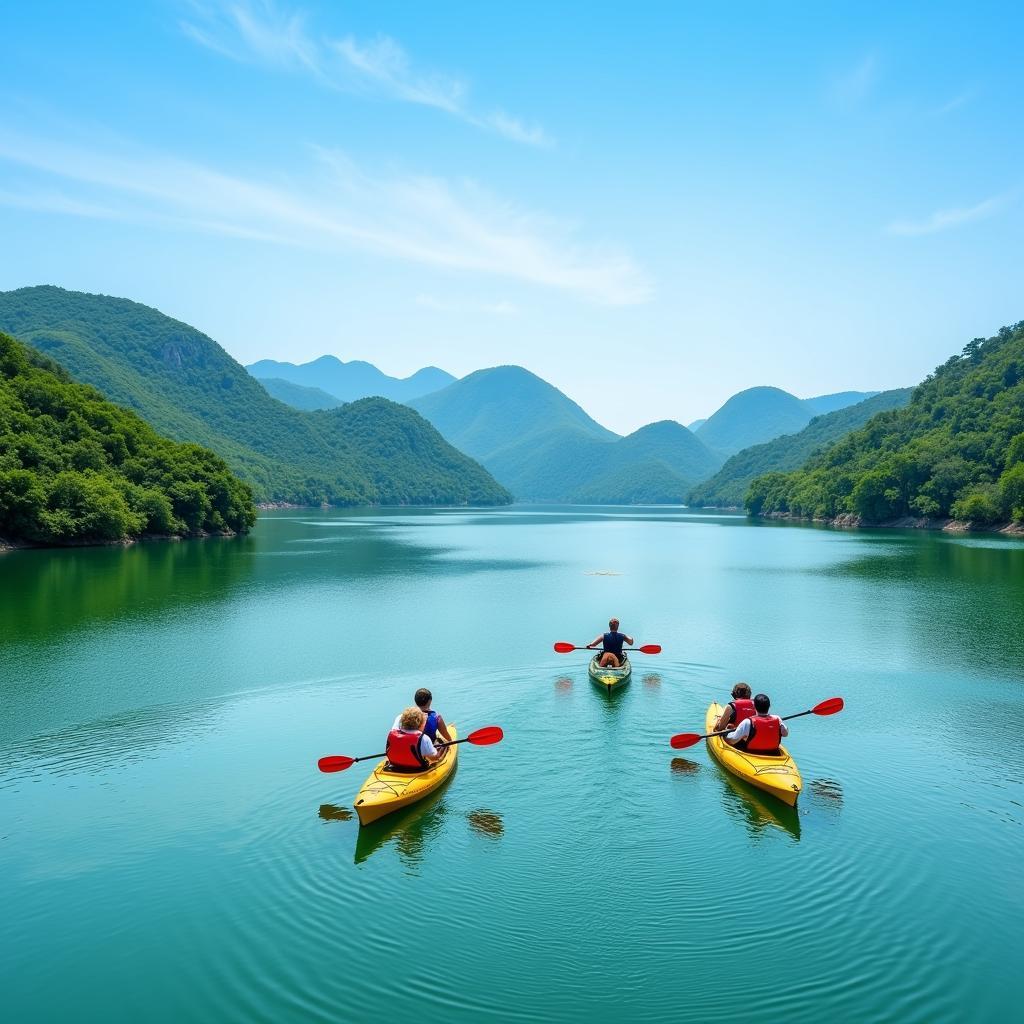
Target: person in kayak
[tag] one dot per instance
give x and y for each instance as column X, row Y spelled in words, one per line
column 612, row 641
column 434, row 723
column 761, row 733
column 739, row 708
column 409, row 748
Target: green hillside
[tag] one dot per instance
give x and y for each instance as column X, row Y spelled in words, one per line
column 956, row 450
column 502, row 406
column 543, row 447
column 353, row 380
column 753, row 417
column 297, row 396
column 728, row 487
column 75, row 468
column 188, row 387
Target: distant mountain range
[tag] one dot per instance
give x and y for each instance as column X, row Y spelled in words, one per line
column 542, row 446
column 352, row 380
column 299, row 397
column 728, row 487
column 371, row 451
column 759, row 414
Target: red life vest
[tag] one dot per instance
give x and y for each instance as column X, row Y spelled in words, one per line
column 403, row 749
column 742, row 708
column 765, row 735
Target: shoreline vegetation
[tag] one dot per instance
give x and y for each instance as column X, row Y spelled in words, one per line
column 76, row 469
column 953, row 455
column 851, row 521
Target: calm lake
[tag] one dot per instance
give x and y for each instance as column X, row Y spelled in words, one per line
column 169, row 851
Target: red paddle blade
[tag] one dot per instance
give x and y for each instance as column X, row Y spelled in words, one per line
column 829, row 707
column 650, row 649
column 486, row 736
column 684, row 740
column 335, row 764
column 563, row 648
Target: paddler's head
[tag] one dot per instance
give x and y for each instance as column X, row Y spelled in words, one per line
column 411, row 719
column 741, row 691
column 423, row 697
column 613, row 625
column 762, row 704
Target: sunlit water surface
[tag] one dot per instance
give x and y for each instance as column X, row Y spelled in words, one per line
column 169, row 852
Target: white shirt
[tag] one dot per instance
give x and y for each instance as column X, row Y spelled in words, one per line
column 427, row 748
column 742, row 731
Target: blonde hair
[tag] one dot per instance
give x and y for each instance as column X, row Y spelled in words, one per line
column 411, row 718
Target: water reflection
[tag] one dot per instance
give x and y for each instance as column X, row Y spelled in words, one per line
column 756, row 810
column 563, row 684
column 329, row 812
column 410, row 832
column 827, row 792
column 486, row 823
column 652, row 681
column 683, row 766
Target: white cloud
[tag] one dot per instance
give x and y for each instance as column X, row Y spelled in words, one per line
column 943, row 220
column 338, row 207
column 258, row 31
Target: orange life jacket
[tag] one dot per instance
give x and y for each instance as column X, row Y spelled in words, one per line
column 403, row 749
column 765, row 735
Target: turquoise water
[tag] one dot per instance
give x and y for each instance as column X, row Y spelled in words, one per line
column 169, row 852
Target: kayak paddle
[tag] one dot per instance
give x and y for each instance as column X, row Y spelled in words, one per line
column 481, row 738
column 687, row 739
column 564, row 648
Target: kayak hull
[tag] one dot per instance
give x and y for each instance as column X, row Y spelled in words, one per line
column 776, row 775
column 385, row 791
column 610, row 678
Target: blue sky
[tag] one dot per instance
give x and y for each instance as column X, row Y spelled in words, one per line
column 651, row 205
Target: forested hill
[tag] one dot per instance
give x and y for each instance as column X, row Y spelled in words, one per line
column 368, row 452
column 956, row 450
column 542, row 446
column 75, row 468
column 298, row 396
column 728, row 487
column 353, row 380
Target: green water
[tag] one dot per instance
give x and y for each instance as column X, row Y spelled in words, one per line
column 168, row 851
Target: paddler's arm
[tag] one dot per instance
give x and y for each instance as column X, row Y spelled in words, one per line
column 741, row 732
column 594, row 643
column 723, row 720
column 443, row 730
column 629, row 639
column 428, row 750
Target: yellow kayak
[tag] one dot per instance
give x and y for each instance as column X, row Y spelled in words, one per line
column 610, row 678
column 777, row 775
column 387, row 791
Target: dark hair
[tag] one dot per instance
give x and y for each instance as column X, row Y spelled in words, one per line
column 422, row 697
column 762, row 703
column 612, row 623
column 741, row 690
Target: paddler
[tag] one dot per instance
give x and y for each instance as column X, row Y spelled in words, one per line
column 739, row 708
column 409, row 748
column 612, row 642
column 761, row 733
column 434, row 723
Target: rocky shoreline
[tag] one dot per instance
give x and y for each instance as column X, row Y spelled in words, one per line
column 122, row 542
column 852, row 521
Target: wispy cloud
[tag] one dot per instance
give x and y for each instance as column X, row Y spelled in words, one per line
column 943, row 220
column 852, row 87
column 337, row 207
column 501, row 308
column 956, row 103
column 262, row 32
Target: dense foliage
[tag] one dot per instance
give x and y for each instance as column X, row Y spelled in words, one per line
column 542, row 446
column 189, row 388
column 956, row 450
column 75, row 468
column 728, row 487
